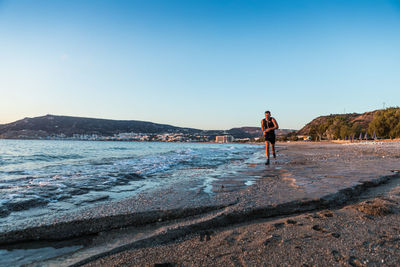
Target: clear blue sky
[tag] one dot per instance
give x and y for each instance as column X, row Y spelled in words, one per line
column 197, row 63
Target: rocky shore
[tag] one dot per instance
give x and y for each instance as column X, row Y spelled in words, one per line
column 318, row 204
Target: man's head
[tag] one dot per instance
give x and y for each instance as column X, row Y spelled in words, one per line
column 267, row 114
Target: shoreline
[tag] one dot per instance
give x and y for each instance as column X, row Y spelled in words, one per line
column 87, row 227
column 303, row 172
column 162, row 204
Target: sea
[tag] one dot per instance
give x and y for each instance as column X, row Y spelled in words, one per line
column 46, row 177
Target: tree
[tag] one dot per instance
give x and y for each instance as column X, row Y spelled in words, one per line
column 345, row 130
column 386, row 123
column 321, row 129
column 355, row 129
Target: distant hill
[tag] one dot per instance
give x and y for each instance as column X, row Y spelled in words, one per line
column 283, row 132
column 49, row 125
column 52, row 124
column 245, row 132
column 256, row 132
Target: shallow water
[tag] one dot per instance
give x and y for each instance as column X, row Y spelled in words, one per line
column 46, row 177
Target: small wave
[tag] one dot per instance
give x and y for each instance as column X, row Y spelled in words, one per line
column 44, row 157
column 16, row 181
column 121, row 178
column 153, row 164
column 41, row 181
column 131, row 176
column 33, row 184
column 16, row 172
column 223, row 147
column 184, row 151
column 40, row 158
column 118, row 148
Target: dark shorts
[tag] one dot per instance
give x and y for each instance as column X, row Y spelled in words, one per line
column 270, row 138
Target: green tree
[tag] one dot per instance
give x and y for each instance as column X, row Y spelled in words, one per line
column 355, row 129
column 321, row 130
column 345, row 131
column 393, row 119
column 314, row 131
column 386, row 123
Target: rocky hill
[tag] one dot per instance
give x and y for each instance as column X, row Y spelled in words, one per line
column 337, row 126
column 52, row 124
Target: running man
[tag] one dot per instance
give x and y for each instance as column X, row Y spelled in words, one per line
column 268, row 126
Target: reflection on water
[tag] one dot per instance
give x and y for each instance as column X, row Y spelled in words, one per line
column 291, row 179
column 248, row 175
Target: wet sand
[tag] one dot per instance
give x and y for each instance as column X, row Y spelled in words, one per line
column 366, row 233
column 310, row 206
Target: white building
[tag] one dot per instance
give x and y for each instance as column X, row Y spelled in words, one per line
column 224, row 139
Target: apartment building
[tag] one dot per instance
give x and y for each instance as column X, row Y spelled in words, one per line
column 224, row 139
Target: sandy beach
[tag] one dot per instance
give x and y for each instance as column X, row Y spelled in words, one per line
column 318, row 204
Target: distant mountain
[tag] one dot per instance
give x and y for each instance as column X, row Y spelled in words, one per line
column 245, row 132
column 49, row 125
column 52, row 124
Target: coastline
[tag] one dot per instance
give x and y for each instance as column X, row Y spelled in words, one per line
column 309, row 177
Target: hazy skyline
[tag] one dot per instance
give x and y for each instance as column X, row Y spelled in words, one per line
column 200, row 64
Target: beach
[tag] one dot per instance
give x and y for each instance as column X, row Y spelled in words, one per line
column 366, row 233
column 132, row 133
column 318, row 204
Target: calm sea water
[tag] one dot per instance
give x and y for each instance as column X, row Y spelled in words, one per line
column 43, row 177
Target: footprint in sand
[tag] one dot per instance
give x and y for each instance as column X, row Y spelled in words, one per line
column 206, row 236
column 289, row 221
column 328, row 214
column 317, row 227
column 279, row 225
column 272, row 239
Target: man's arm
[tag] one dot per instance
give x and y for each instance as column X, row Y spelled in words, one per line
column 262, row 127
column 276, row 126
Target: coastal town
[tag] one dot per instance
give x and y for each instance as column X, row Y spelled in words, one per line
column 146, row 137
column 166, row 137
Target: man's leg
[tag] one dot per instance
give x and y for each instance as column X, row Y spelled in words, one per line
column 273, row 150
column 267, row 152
